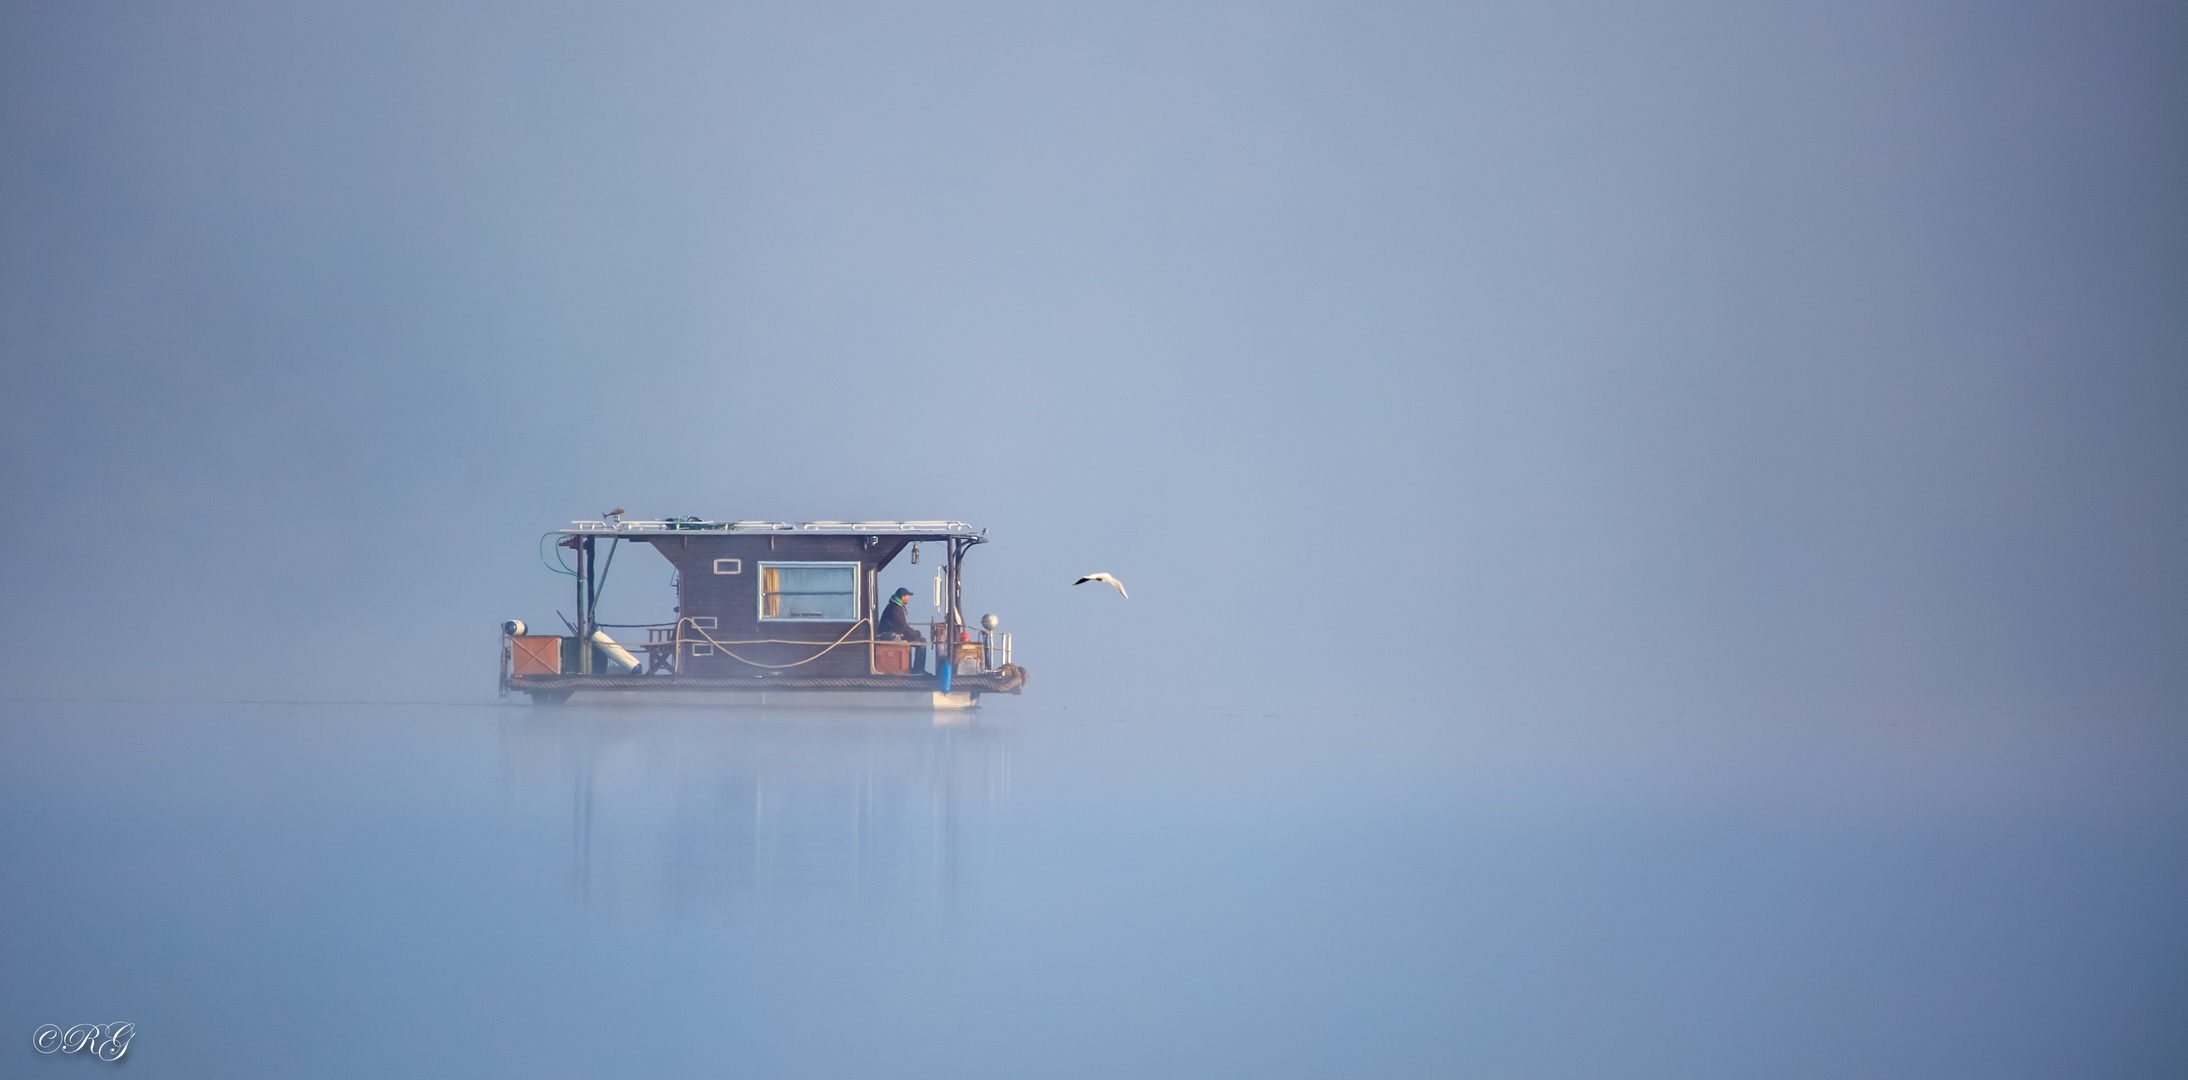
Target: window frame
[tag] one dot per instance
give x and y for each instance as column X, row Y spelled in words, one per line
column 736, row 566
column 759, row 582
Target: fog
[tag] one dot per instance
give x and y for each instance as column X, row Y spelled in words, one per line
column 1618, row 502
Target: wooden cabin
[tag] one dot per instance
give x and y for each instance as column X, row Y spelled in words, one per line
column 768, row 608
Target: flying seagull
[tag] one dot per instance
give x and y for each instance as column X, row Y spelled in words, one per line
column 1107, row 578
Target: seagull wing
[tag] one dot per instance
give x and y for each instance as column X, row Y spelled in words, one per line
column 1106, row 579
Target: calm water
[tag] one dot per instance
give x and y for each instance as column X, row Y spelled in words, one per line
column 377, row 891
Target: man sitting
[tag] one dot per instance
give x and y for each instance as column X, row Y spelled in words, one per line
column 896, row 624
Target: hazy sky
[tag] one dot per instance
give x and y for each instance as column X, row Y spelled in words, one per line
column 1658, row 534
column 1563, row 354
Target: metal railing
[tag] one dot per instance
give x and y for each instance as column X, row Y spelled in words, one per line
column 993, row 645
column 664, row 649
column 846, row 528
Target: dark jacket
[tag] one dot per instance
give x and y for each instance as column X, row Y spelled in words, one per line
column 895, row 621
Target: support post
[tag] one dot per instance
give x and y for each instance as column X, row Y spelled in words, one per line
column 585, row 614
column 579, row 612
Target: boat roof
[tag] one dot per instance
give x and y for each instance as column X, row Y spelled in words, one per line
column 906, row 530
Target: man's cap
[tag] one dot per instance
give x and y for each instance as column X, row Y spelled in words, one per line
column 901, row 592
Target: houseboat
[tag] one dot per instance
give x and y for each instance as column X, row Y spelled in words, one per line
column 767, row 613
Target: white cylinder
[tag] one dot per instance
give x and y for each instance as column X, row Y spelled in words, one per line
column 619, row 661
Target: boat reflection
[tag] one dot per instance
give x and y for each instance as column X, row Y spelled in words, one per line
column 706, row 809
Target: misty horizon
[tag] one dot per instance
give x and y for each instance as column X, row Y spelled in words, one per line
column 1652, row 531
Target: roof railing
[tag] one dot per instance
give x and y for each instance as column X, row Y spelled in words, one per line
column 852, row 528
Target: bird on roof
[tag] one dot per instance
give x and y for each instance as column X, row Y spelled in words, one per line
column 615, row 513
column 1107, row 579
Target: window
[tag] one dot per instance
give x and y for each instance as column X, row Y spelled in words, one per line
column 729, row 566
column 701, row 648
column 818, row 591
column 703, row 622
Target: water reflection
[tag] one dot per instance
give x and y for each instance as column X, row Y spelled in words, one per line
column 708, row 809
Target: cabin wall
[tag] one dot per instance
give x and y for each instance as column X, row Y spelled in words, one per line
column 733, row 600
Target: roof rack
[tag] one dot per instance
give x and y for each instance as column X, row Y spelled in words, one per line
column 842, row 528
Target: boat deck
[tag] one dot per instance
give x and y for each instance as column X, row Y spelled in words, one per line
column 898, row 691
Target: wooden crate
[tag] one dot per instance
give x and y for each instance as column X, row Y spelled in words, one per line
column 893, row 657
column 535, row 655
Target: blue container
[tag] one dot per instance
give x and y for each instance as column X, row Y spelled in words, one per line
column 947, row 670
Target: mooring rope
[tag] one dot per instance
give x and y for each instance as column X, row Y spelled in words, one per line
column 1006, row 681
column 723, row 645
